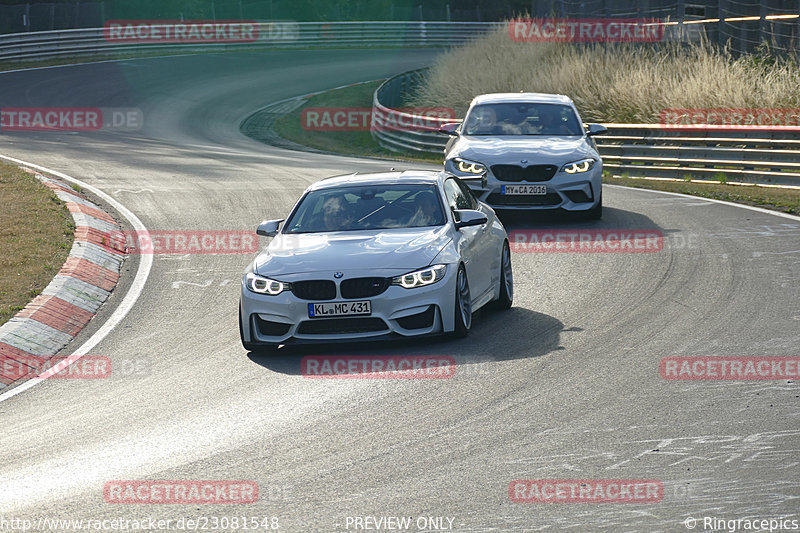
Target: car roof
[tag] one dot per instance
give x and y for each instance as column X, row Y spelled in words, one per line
column 532, row 98
column 381, row 178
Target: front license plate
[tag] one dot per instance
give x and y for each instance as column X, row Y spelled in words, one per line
column 524, row 189
column 330, row 309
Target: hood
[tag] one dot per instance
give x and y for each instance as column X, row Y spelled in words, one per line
column 403, row 248
column 508, row 148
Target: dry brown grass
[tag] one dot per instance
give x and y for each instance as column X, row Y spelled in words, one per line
column 626, row 83
column 36, row 233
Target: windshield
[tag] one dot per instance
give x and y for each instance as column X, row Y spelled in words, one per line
column 520, row 118
column 367, row 207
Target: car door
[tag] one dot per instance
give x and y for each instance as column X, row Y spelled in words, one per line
column 485, row 245
column 470, row 238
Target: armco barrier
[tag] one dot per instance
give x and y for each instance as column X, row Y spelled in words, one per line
column 766, row 156
column 391, row 95
column 92, row 41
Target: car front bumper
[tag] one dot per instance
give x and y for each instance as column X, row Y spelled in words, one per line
column 570, row 192
column 397, row 312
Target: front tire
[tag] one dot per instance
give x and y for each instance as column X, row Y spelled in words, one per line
column 506, row 299
column 463, row 306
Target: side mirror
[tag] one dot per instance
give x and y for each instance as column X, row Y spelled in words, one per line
column 597, row 129
column 469, row 217
column 269, row 228
column 450, row 128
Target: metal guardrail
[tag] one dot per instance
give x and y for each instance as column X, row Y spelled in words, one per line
column 386, row 119
column 48, row 44
column 750, row 156
column 635, row 150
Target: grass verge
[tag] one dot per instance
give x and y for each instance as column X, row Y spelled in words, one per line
column 785, row 200
column 359, row 143
column 36, row 233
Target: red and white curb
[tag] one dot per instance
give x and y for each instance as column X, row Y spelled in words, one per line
column 72, row 298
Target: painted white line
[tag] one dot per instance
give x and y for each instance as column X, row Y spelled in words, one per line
column 135, row 290
column 743, row 206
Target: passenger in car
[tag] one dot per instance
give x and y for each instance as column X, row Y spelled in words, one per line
column 550, row 122
column 426, row 214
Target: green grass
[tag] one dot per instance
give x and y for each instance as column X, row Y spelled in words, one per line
column 358, row 143
column 36, row 233
column 785, row 200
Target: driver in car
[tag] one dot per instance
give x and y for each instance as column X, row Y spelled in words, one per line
column 335, row 216
column 484, row 122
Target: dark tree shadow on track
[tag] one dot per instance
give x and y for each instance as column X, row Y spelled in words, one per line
column 495, row 336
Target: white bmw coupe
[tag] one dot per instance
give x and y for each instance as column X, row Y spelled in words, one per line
column 371, row 256
column 528, row 151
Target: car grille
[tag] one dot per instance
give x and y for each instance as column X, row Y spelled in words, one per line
column 529, row 173
column 341, row 325
column 363, row 287
column 317, row 289
column 497, row 199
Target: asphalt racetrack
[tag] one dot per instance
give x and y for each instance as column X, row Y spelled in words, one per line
column 565, row 385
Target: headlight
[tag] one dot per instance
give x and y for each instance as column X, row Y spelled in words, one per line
column 577, row 167
column 420, row 278
column 263, row 285
column 468, row 167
